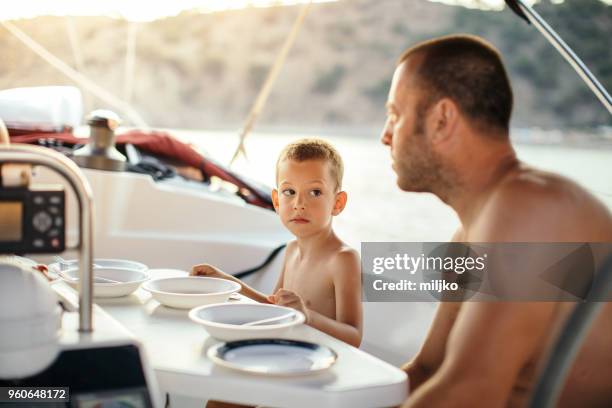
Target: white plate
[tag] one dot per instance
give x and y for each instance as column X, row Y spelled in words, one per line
column 275, row 357
column 191, row 291
column 128, row 281
column 101, row 262
column 225, row 321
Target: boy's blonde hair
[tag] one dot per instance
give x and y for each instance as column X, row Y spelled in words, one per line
column 314, row 149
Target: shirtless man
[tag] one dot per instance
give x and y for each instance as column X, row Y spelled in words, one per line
column 447, row 128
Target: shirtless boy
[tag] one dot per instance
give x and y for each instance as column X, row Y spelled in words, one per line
column 321, row 275
column 447, row 128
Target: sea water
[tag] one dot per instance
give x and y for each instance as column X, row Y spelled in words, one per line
column 376, row 209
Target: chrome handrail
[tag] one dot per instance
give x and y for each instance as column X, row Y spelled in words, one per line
column 567, row 346
column 36, row 155
column 531, row 16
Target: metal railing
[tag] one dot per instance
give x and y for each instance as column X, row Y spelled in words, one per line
column 36, row 155
column 562, row 356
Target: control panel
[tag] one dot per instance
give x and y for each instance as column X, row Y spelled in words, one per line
column 32, row 220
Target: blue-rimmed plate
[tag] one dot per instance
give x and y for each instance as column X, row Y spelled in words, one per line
column 276, row 357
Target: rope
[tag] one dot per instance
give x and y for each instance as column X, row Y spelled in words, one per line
column 130, row 58
column 270, row 258
column 77, row 77
column 262, row 97
column 79, row 62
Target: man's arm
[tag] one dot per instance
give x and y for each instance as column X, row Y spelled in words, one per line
column 430, row 356
column 487, row 347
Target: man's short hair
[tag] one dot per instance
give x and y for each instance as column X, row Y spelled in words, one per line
column 314, row 149
column 468, row 70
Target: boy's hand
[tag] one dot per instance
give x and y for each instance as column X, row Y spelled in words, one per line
column 209, row 271
column 284, row 297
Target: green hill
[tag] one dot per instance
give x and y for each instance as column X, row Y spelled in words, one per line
column 204, row 70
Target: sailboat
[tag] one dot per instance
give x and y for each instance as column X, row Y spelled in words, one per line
column 193, row 221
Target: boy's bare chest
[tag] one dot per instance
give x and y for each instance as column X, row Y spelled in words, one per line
column 312, row 281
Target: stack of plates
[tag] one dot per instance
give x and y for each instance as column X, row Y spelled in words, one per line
column 109, row 282
column 102, row 263
column 112, row 277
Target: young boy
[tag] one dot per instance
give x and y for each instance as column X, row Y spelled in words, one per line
column 321, row 275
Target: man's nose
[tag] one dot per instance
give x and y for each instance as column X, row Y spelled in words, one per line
column 385, row 137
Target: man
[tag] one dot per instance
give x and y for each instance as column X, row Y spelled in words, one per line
column 447, row 128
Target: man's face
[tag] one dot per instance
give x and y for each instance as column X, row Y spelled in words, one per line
column 306, row 196
column 414, row 160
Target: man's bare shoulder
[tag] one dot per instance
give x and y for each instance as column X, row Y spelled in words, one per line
column 529, row 187
column 531, row 204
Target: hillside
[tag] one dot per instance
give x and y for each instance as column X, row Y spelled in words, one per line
column 204, row 70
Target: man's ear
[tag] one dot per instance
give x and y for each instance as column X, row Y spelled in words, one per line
column 275, row 199
column 442, row 120
column 340, row 203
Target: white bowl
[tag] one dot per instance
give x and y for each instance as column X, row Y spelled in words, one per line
column 226, row 321
column 128, row 281
column 100, row 262
column 191, row 291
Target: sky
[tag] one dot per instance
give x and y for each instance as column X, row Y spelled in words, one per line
column 134, row 10
column 129, row 9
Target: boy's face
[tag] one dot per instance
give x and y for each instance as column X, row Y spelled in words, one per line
column 306, row 198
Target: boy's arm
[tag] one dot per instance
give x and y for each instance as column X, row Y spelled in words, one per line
column 347, row 288
column 212, row 272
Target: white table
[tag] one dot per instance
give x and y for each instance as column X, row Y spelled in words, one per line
column 176, row 348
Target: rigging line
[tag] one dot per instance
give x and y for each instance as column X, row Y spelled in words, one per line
column 264, row 92
column 130, row 61
column 79, row 61
column 77, row 77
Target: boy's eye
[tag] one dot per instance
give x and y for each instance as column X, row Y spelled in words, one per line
column 288, row 192
column 316, row 192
